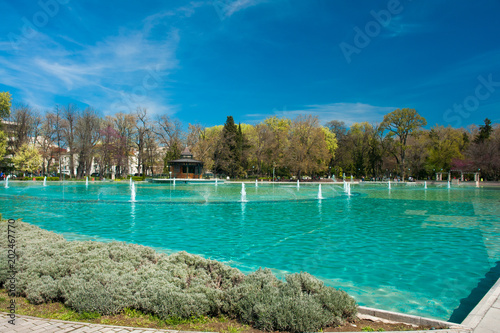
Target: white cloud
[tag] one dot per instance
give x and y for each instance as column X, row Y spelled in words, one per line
column 132, row 62
column 347, row 112
column 226, row 8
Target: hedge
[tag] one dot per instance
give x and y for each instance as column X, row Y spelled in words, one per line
column 36, row 178
column 108, row 277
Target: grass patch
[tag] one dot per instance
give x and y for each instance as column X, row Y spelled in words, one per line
column 128, row 317
column 371, row 329
column 135, row 318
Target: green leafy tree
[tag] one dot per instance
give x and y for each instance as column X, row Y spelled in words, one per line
column 308, row 151
column 277, row 136
column 330, row 140
column 205, row 142
column 418, row 153
column 3, row 144
column 331, row 144
column 485, row 155
column 27, row 158
column 443, row 147
column 173, row 153
column 401, row 123
column 342, row 158
column 5, row 104
column 360, row 139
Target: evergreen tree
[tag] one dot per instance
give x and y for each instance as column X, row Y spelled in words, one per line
column 173, row 153
column 228, row 152
column 484, row 131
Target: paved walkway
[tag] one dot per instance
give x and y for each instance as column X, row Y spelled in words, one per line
column 485, row 317
column 491, row 321
column 25, row 324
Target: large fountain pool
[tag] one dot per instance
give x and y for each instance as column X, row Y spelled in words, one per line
column 419, row 251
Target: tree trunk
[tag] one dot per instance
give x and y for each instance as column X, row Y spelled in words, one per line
column 71, row 165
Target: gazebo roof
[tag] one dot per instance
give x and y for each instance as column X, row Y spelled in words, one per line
column 186, row 152
column 185, row 160
column 186, row 157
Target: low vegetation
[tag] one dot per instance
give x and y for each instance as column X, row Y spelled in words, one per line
column 100, row 279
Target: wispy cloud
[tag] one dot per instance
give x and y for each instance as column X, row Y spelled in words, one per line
column 131, row 62
column 181, row 12
column 226, row 8
column 400, row 26
column 347, row 112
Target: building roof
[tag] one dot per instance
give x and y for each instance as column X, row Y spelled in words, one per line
column 186, row 157
column 186, row 152
column 185, row 160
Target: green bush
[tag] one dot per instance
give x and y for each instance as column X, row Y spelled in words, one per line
column 135, row 178
column 42, row 290
column 42, row 178
column 36, row 178
column 108, row 278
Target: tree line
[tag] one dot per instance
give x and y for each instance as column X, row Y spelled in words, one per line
column 86, row 137
column 280, row 147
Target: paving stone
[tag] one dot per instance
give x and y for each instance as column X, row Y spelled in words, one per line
column 490, row 322
column 497, row 303
column 106, row 329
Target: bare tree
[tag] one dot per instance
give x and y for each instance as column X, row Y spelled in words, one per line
column 125, row 126
column 87, row 135
column 23, row 132
column 144, row 139
column 70, row 116
column 203, row 143
column 108, row 146
column 170, row 137
column 57, row 123
column 45, row 141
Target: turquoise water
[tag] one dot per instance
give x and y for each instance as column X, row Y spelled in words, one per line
column 409, row 250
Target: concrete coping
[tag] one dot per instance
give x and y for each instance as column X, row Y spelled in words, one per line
column 440, row 325
column 477, row 314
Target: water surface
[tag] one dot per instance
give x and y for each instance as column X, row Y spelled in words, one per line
column 409, row 249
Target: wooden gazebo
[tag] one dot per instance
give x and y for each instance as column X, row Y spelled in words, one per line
column 186, row 166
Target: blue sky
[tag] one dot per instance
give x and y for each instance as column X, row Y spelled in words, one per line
column 200, row 61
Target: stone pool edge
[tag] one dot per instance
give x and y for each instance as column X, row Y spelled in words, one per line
column 414, row 320
column 483, row 316
column 481, row 319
